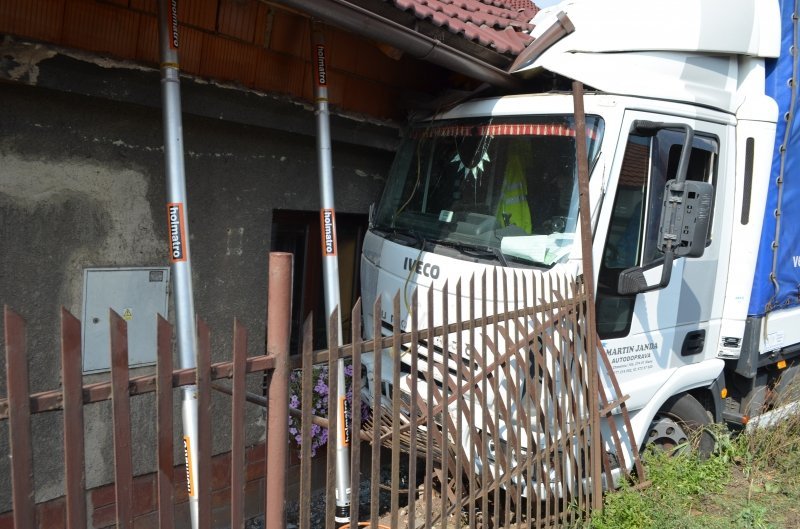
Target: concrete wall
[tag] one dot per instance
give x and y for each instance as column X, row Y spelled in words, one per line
column 82, row 185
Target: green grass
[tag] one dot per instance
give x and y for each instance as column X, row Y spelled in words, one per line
column 750, row 482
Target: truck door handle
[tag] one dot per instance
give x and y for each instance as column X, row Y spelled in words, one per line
column 693, row 343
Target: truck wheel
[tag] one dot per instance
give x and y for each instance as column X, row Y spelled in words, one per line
column 681, row 424
column 786, row 388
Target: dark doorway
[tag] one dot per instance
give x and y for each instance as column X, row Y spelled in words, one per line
column 298, row 232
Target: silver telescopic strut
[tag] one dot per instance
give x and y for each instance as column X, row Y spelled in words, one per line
column 178, row 226
column 330, row 264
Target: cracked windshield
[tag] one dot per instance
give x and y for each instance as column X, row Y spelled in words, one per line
column 501, row 189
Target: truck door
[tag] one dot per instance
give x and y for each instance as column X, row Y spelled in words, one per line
column 647, row 336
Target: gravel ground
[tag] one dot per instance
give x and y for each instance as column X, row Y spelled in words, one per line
column 317, row 507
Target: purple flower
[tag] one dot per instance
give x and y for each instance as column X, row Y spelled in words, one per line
column 321, row 387
column 318, row 406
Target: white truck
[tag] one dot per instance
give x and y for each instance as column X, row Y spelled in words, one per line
column 493, row 183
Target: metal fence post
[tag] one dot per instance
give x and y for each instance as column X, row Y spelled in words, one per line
column 279, row 307
column 588, row 276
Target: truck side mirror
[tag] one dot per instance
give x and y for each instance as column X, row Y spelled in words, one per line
column 685, row 217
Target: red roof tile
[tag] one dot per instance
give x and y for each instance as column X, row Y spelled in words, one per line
column 500, row 24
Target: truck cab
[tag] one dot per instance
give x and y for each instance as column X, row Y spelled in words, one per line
column 493, row 183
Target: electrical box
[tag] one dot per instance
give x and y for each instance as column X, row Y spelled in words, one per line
column 138, row 295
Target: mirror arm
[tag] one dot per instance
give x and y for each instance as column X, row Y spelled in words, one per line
column 666, row 272
column 631, row 281
column 683, row 163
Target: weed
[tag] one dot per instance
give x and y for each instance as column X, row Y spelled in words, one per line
column 752, row 517
column 747, row 483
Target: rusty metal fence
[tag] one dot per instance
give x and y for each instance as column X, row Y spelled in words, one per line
column 489, row 404
column 19, row 405
column 487, row 413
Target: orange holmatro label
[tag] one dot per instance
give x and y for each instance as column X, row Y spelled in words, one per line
column 177, row 232
column 328, row 227
column 187, row 453
column 322, row 74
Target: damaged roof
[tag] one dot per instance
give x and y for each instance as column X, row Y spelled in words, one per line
column 502, row 25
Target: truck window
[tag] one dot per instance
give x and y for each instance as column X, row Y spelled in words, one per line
column 623, row 240
column 479, row 188
column 667, row 153
column 633, row 233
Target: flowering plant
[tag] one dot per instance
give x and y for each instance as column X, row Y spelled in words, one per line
column 319, row 403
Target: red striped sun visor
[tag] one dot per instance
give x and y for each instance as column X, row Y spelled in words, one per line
column 509, row 129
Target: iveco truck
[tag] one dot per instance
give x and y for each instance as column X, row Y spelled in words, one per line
column 692, row 95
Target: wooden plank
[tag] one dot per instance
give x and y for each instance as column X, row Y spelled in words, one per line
column 164, row 403
column 72, row 382
column 121, row 408
column 19, row 427
column 203, row 483
column 237, row 426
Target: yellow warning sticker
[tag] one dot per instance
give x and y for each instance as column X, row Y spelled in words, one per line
column 127, row 314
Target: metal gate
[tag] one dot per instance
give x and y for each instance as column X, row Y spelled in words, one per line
column 491, row 418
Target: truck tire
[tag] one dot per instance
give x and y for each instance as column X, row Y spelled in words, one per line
column 681, row 424
column 786, row 388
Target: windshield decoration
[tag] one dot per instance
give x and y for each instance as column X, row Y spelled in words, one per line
column 475, row 166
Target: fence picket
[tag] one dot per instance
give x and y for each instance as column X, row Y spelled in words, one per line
column 413, row 413
column 377, row 417
column 203, row 482
column 355, row 415
column 429, row 415
column 397, row 328
column 19, row 416
column 121, row 411
column 72, row 382
column 237, row 425
column 473, row 446
column 333, row 418
column 446, row 493
column 164, row 403
column 307, row 406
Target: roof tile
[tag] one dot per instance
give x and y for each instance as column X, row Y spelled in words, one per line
column 500, row 24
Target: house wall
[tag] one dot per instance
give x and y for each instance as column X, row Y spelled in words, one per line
column 82, row 185
column 82, row 171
